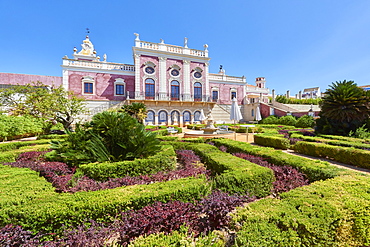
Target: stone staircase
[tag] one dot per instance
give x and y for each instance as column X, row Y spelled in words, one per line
column 221, row 113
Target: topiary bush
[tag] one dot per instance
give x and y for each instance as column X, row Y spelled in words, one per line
column 288, row 120
column 305, row 122
column 270, row 120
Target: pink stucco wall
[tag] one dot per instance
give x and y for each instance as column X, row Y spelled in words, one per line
column 143, row 60
column 224, row 92
column 104, row 85
column 265, row 110
column 22, row 79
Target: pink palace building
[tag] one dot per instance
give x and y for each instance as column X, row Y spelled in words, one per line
column 173, row 82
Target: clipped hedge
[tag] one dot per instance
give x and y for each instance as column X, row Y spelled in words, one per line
column 331, row 141
column 351, row 156
column 38, row 208
column 180, row 238
column 233, row 174
column 164, row 160
column 314, row 170
column 345, row 138
column 7, row 146
column 275, row 141
column 335, row 212
column 11, row 155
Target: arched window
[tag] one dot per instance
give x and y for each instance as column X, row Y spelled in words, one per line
column 150, row 117
column 175, row 90
column 196, row 116
column 175, row 117
column 149, row 88
column 197, row 91
column 187, row 116
column 162, row 116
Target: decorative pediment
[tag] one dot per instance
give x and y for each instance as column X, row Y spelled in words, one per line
column 149, row 64
column 198, row 69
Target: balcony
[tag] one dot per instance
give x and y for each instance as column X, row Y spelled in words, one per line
column 169, row 97
column 254, row 89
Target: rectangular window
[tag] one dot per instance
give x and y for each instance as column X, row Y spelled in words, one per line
column 198, row 94
column 88, row 88
column 120, row 89
column 149, row 91
column 233, row 95
column 214, row 96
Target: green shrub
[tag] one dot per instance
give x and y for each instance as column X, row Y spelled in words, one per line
column 233, row 174
column 305, row 122
column 52, row 136
column 110, row 136
column 164, row 160
column 49, row 211
column 314, row 170
column 14, row 127
column 335, row 212
column 345, row 138
column 330, row 141
column 270, row 120
column 9, row 154
column 272, row 141
column 288, row 120
column 361, row 132
column 179, row 238
column 352, row 156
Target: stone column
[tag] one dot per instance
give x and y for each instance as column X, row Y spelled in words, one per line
column 65, row 80
column 181, row 124
column 288, row 94
column 273, row 95
column 138, row 80
column 162, row 78
column 187, row 82
column 300, row 95
column 206, row 85
column 155, row 119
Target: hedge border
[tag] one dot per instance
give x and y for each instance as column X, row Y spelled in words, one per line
column 334, row 212
column 232, row 174
column 165, row 159
column 276, row 141
column 314, row 170
column 346, row 155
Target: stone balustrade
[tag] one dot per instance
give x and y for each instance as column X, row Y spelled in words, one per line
column 218, row 77
column 98, row 65
column 254, row 89
column 171, row 48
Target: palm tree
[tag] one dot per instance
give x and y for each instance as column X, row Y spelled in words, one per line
column 344, row 107
column 136, row 110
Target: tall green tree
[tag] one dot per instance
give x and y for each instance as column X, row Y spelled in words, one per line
column 136, row 110
column 344, row 107
column 54, row 104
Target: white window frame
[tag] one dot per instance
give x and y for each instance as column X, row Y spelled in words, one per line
column 88, row 79
column 120, row 81
column 232, row 90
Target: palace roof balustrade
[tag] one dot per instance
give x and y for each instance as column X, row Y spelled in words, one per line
column 97, row 65
column 171, row 48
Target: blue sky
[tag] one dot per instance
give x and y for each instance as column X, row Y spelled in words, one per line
column 295, row 44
